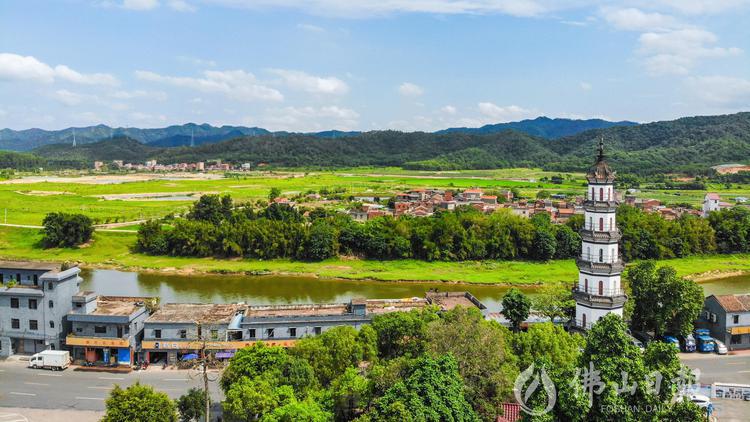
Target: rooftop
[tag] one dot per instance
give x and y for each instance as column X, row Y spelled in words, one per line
column 449, row 300
column 30, row 266
column 382, row 306
column 734, row 303
column 296, row 310
column 201, row 313
column 116, row 307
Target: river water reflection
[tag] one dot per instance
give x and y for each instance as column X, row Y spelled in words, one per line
column 260, row 290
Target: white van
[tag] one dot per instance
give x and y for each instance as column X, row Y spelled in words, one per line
column 56, row 360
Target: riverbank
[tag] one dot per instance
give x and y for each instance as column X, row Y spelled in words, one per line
column 111, row 250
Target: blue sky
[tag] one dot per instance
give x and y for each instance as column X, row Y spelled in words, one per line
column 368, row 64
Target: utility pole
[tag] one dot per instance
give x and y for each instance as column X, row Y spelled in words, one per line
column 201, row 365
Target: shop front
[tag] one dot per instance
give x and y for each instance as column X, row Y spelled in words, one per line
column 100, row 351
column 172, row 352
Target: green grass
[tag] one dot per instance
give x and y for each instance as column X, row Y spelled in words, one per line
column 111, row 249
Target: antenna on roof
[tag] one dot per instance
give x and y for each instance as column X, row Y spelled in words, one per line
column 74, row 137
column 192, row 137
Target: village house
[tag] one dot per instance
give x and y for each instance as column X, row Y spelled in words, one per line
column 728, row 319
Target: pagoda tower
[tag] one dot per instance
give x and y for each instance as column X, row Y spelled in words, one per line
column 599, row 291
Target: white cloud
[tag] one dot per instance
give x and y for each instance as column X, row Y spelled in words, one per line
column 449, row 109
column 235, row 84
column 498, row 114
column 701, row 7
column 585, row 86
column 408, row 89
column 140, row 93
column 308, row 119
column 140, row 4
column 310, row 28
column 196, row 61
column 368, row 8
column 70, row 98
column 16, row 67
column 725, row 91
column 678, row 51
column 299, row 80
column 181, row 6
column 146, row 118
column 632, row 19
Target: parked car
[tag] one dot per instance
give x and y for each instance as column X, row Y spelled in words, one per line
column 701, row 400
column 687, row 343
column 643, row 336
column 705, row 344
column 670, row 339
column 56, row 360
column 637, row 343
column 701, row 332
column 720, row 348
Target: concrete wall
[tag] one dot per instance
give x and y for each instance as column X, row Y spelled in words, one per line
column 131, row 329
column 304, row 326
column 171, row 331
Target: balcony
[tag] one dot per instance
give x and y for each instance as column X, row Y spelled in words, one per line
column 602, row 268
column 601, row 236
column 609, row 298
column 600, row 206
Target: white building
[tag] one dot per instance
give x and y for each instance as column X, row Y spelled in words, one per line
column 599, row 291
column 711, row 202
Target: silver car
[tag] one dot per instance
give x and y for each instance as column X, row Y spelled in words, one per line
column 720, row 348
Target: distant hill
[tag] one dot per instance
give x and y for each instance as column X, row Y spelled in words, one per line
column 543, row 127
column 691, row 144
column 180, row 135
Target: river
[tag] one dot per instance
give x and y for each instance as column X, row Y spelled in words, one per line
column 260, row 290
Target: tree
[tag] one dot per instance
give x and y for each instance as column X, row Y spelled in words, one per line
column 151, row 238
column 211, row 208
column 402, row 333
column 320, row 242
column 275, row 193
column 516, row 307
column 549, row 342
column 66, row 230
column 298, row 411
column 567, row 243
column 432, row 390
column 250, row 399
column 554, row 303
column 482, row 351
column 191, row 405
column 350, row 394
column 684, row 411
column 544, row 244
column 662, row 301
column 139, row 403
column 543, row 194
column 272, row 361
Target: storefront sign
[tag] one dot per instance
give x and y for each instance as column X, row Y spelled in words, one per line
column 96, row 342
column 211, row 345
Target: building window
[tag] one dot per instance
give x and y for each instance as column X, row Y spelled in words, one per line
column 1, row 278
column 100, row 329
column 79, row 305
column 601, row 255
column 183, row 333
column 50, row 286
column 36, row 280
column 15, row 323
column 735, row 319
column 52, row 324
column 51, row 304
column 317, row 330
column 601, row 288
column 79, row 330
column 583, row 320
column 33, row 324
column 601, row 194
column 251, row 333
column 157, row 333
column 18, row 277
column 586, row 285
column 14, row 302
column 214, row 334
column 269, row 332
column 736, row 339
column 292, row 332
column 32, row 304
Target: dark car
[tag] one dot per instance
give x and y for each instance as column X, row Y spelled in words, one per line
column 687, row 343
column 643, row 336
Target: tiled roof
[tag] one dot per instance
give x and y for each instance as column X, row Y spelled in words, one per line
column 713, row 196
column 511, row 413
column 734, row 303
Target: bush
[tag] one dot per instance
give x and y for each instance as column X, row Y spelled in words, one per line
column 66, row 230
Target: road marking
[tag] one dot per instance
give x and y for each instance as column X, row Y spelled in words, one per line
column 49, row 375
column 743, row 372
column 100, row 388
column 89, row 398
column 111, row 378
column 3, row 416
column 735, row 363
column 36, row 383
column 21, row 394
column 175, row 379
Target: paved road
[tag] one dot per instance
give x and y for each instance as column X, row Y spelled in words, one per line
column 715, row 368
column 84, row 390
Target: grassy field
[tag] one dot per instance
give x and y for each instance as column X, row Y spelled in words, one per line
column 28, row 203
column 111, row 250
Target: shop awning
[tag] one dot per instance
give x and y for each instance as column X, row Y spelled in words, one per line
column 224, row 355
column 740, row 330
column 190, row 356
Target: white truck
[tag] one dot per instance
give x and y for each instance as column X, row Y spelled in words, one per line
column 56, row 360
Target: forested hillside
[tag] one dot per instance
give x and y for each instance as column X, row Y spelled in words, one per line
column 690, row 144
column 543, row 127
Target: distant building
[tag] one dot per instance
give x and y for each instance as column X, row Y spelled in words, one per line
column 711, row 203
column 34, row 303
column 98, row 165
column 728, row 319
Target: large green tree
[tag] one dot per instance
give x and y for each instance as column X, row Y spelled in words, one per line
column 192, row 405
column 403, row 333
column 485, row 360
column 662, row 301
column 66, row 230
column 547, row 341
column 516, row 307
column 139, row 403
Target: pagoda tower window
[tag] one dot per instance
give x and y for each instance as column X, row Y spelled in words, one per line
column 601, row 288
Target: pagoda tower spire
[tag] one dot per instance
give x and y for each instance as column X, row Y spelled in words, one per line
column 599, row 290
